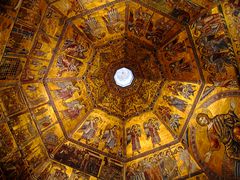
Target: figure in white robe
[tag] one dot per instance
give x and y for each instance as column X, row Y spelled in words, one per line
column 89, row 129
column 110, row 137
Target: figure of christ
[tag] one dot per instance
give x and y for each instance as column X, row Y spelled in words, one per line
column 222, row 128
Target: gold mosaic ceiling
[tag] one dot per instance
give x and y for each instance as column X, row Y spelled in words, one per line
column 58, row 94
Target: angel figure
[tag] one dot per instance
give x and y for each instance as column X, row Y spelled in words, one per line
column 93, row 29
column 74, row 109
column 68, row 64
column 133, row 135
column 180, row 104
column 179, row 67
column 174, row 121
column 151, row 128
column 89, row 129
column 175, row 47
column 137, row 21
column 110, row 136
column 168, row 116
column 113, row 21
column 156, row 32
column 185, row 90
column 76, row 50
column 67, row 90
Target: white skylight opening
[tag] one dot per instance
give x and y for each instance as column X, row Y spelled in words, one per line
column 123, row 77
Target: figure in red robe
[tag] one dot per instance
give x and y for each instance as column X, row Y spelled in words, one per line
column 133, row 135
column 151, row 128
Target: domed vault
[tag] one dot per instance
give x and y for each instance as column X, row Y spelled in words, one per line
column 111, row 89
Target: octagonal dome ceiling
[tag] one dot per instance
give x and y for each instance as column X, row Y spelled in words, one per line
column 106, row 89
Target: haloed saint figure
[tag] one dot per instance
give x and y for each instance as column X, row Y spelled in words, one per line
column 110, row 137
column 133, row 135
column 151, row 128
column 89, row 129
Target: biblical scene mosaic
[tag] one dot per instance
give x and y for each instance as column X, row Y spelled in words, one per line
column 63, row 116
